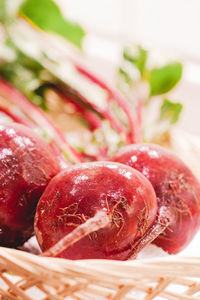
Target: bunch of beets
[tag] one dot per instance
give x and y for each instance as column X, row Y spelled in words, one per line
column 107, row 209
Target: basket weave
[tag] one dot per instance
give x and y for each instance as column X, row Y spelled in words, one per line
column 27, row 276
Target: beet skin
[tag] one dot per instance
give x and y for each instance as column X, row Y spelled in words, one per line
column 26, row 166
column 176, row 187
column 78, row 193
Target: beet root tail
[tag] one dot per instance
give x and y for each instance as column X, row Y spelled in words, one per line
column 100, row 220
column 163, row 220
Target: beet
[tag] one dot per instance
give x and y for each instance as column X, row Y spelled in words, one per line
column 177, row 191
column 94, row 210
column 26, row 166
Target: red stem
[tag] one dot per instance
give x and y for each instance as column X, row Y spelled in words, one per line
column 131, row 115
column 90, row 117
column 38, row 116
column 90, row 157
column 95, row 123
column 105, row 113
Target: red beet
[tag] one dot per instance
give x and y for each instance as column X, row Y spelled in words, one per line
column 177, row 191
column 89, row 196
column 26, row 166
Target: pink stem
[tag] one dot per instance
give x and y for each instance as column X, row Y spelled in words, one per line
column 100, row 220
column 90, row 117
column 131, row 115
column 95, row 123
column 103, row 153
column 139, row 112
column 61, row 159
column 105, row 113
column 38, row 116
column 14, row 117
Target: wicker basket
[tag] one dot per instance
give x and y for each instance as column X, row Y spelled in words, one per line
column 27, row 276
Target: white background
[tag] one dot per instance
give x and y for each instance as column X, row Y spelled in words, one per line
column 168, row 23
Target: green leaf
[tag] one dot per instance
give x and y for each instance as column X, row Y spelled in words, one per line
column 162, row 80
column 170, row 110
column 126, row 76
column 138, row 59
column 25, row 74
column 46, row 15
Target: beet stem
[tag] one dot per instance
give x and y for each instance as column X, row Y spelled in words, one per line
column 105, row 113
column 39, row 117
column 94, row 121
column 14, row 118
column 135, row 129
column 163, row 220
column 100, row 220
column 62, row 161
column 118, row 98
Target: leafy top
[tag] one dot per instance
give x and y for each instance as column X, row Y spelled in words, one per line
column 46, row 15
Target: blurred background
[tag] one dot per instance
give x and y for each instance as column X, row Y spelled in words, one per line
column 164, row 27
column 171, row 26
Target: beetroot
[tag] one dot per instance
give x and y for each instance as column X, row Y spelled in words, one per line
column 177, row 191
column 95, row 210
column 26, row 166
